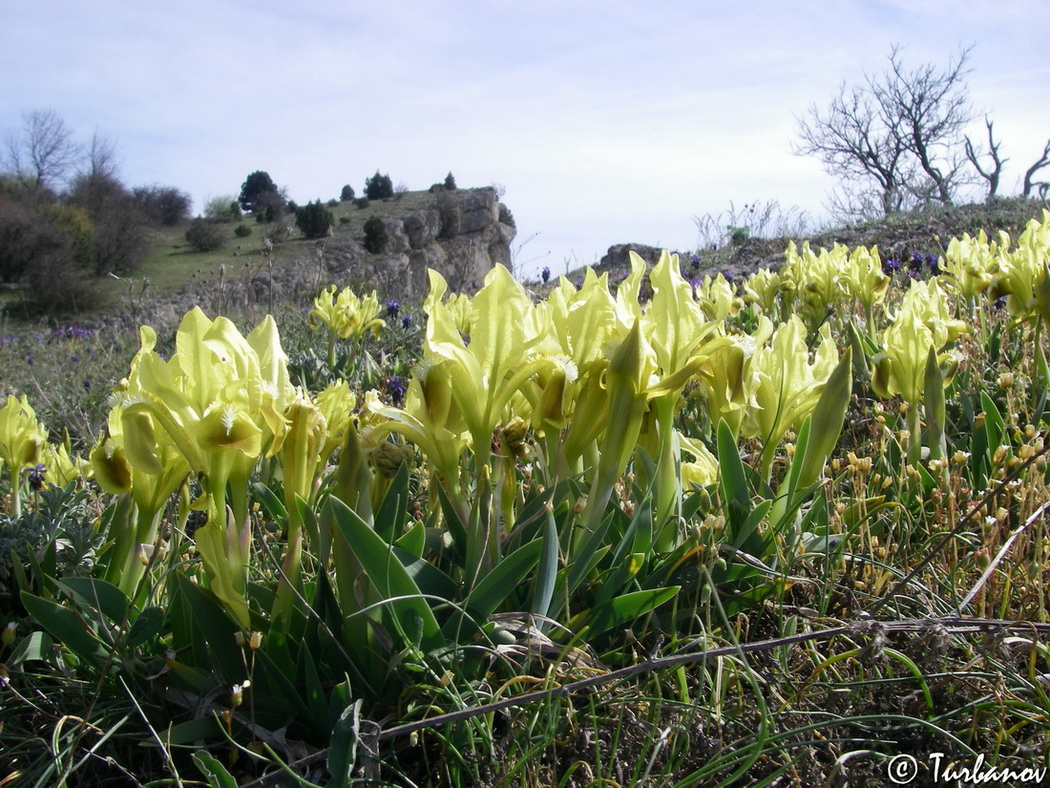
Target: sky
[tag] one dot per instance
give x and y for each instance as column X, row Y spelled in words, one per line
column 603, row 122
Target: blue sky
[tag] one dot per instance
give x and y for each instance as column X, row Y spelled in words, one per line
column 606, row 122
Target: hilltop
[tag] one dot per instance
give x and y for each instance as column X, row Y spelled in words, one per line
column 461, row 233
column 738, row 253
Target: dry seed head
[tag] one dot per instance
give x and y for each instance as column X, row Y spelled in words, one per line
column 858, row 464
column 1006, row 380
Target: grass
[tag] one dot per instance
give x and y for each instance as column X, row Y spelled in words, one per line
column 908, row 616
column 172, row 264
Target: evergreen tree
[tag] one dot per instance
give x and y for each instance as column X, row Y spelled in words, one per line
column 314, row 219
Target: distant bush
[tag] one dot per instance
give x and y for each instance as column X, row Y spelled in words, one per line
column 279, row 233
column 205, row 236
column 376, row 237
column 361, row 202
column 344, row 220
column 223, row 208
column 333, row 202
column 314, row 219
column 505, row 216
column 347, row 193
column 255, row 186
column 292, row 207
column 242, row 231
column 163, row 205
column 379, row 187
column 450, row 182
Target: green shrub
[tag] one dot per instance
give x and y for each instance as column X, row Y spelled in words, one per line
column 450, row 182
column 738, row 236
column 255, row 186
column 314, row 219
column 224, row 208
column 242, row 231
column 205, row 236
column 379, row 187
column 347, row 193
column 361, row 203
column 376, row 237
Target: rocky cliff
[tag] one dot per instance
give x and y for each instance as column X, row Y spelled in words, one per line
column 460, row 233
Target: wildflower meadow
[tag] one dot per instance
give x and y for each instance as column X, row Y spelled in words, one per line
column 622, row 530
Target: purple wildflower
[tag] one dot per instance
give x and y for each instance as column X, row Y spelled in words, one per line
column 36, row 476
column 396, row 387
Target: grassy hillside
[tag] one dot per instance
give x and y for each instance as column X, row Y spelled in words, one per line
column 173, row 264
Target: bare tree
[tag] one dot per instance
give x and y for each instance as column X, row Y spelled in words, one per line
column 929, row 109
column 44, row 153
column 995, row 171
column 100, row 156
column 1029, row 184
column 894, row 141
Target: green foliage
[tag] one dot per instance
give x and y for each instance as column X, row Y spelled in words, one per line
column 450, row 182
column 379, row 187
column 224, row 208
column 493, row 527
column 347, row 193
column 256, row 185
column 376, row 237
column 738, row 236
column 205, row 236
column 314, row 219
column 242, row 231
column 361, row 203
